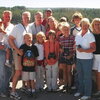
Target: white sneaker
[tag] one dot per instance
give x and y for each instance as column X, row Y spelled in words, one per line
column 73, row 87
column 77, row 94
column 8, row 64
column 84, row 98
column 97, row 94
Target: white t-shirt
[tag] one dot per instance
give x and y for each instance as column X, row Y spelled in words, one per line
column 40, row 48
column 84, row 41
column 76, row 30
column 18, row 33
column 35, row 29
column 2, row 35
column 9, row 28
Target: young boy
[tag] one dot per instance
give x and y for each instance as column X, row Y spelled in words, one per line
column 28, row 62
column 76, row 19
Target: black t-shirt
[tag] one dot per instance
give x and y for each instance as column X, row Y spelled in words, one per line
column 97, row 38
column 28, row 59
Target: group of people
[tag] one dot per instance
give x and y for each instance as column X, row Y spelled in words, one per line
column 49, row 50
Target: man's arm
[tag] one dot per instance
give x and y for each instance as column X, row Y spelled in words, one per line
column 13, row 45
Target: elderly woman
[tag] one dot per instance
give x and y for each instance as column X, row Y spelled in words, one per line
column 96, row 65
column 85, row 46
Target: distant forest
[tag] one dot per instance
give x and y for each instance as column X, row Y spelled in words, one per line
column 57, row 12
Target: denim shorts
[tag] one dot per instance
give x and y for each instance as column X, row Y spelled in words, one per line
column 63, row 60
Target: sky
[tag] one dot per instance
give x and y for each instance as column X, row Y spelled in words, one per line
column 51, row 3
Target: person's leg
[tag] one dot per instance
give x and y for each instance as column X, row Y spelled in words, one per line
column 17, row 73
column 2, row 72
column 32, row 78
column 69, row 74
column 87, row 76
column 80, row 76
column 15, row 79
column 48, row 77
column 38, row 77
column 65, row 74
column 54, row 76
column 42, row 77
column 7, row 55
column 8, row 74
column 61, row 79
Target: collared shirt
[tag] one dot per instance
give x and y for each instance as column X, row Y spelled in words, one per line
column 85, row 42
column 68, row 42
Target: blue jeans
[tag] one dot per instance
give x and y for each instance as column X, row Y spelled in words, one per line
column 84, row 69
column 8, row 72
column 2, row 71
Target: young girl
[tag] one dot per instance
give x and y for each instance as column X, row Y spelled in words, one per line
column 66, row 55
column 51, row 60
column 40, row 61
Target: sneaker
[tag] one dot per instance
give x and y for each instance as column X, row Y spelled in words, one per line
column 77, row 94
column 2, row 95
column 85, row 98
column 23, row 89
column 15, row 96
column 7, row 64
column 73, row 87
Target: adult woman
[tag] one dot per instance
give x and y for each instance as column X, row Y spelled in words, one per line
column 96, row 66
column 52, row 25
column 85, row 46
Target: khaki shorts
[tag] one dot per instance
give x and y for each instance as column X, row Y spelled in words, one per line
column 26, row 76
column 16, row 62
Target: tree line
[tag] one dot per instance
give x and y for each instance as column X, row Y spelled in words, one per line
column 57, row 12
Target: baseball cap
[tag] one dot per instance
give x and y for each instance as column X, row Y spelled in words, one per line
column 50, row 10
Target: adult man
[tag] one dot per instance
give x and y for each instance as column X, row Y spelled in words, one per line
column 8, row 26
column 37, row 26
column 48, row 12
column 15, row 41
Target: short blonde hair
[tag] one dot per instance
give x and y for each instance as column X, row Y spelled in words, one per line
column 64, row 24
column 85, row 21
column 28, row 34
column 93, row 23
column 76, row 15
column 40, row 34
column 39, row 13
column 8, row 11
